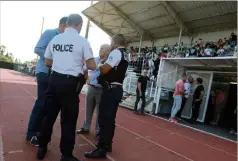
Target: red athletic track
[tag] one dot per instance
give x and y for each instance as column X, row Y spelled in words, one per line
column 137, row 138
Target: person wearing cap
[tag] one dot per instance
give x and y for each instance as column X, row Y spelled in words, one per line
column 94, row 92
column 66, row 55
column 112, row 74
column 42, row 78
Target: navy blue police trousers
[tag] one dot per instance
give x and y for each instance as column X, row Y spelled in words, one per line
column 110, row 99
column 61, row 96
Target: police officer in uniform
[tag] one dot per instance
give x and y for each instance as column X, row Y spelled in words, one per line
column 112, row 74
column 66, row 53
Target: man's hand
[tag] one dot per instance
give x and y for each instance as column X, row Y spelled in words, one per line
column 140, row 94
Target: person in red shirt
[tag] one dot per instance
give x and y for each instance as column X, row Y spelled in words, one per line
column 219, row 105
column 178, row 95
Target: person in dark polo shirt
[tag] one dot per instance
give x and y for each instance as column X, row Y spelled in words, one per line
column 140, row 91
column 197, row 100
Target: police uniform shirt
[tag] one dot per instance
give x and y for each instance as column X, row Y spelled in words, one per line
column 114, row 59
column 68, row 51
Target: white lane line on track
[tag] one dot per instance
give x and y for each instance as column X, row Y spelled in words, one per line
column 201, row 131
column 157, row 144
column 83, row 137
column 151, row 140
column 108, row 156
column 180, row 135
column 170, row 150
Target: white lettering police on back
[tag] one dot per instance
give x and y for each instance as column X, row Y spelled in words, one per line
column 69, row 51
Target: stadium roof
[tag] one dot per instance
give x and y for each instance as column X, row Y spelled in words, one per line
column 161, row 19
column 224, row 68
column 216, row 64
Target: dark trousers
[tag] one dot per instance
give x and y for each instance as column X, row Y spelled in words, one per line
column 37, row 113
column 182, row 107
column 195, row 110
column 61, row 95
column 138, row 97
column 108, row 106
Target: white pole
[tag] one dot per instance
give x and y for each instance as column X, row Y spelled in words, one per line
column 140, row 43
column 88, row 25
column 41, row 31
column 207, row 98
column 180, row 36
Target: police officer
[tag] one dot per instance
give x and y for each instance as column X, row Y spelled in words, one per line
column 112, row 75
column 66, row 53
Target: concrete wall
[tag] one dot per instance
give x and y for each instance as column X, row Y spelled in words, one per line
column 211, row 36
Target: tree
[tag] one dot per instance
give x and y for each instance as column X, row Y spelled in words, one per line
column 4, row 55
column 2, row 49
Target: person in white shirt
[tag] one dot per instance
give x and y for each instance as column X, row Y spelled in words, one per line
column 187, row 91
column 221, row 51
column 66, row 54
column 208, row 51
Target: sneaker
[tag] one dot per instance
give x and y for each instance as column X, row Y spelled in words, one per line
column 174, row 120
column 32, row 140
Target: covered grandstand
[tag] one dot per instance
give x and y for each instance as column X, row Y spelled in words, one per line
column 161, row 23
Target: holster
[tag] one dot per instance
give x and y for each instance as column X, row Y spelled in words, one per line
column 81, row 83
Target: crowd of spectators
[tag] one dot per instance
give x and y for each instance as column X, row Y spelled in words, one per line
column 149, row 57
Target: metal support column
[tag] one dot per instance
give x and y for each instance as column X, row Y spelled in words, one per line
column 207, row 98
column 158, row 84
column 88, row 25
column 140, row 43
column 41, row 31
column 179, row 41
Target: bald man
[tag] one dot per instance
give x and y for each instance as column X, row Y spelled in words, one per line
column 94, row 92
column 112, row 74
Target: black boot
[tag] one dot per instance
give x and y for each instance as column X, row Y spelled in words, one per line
column 107, row 148
column 41, row 153
column 96, row 154
column 67, row 158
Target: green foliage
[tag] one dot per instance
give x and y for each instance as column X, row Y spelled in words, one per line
column 5, row 56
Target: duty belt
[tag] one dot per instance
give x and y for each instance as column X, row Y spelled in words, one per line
column 63, row 75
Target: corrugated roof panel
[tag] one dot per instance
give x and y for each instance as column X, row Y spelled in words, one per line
column 212, row 20
column 152, row 12
column 99, row 6
column 137, row 6
column 107, row 7
column 180, row 6
column 207, row 11
column 219, row 27
column 200, row 16
column 169, row 28
column 158, row 22
column 119, row 3
column 231, row 6
column 107, row 18
column 116, row 22
column 127, row 30
column 97, row 18
column 93, row 14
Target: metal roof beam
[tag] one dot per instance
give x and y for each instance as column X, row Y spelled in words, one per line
column 178, row 21
column 132, row 23
column 100, row 26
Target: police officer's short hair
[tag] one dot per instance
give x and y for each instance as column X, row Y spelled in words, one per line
column 74, row 20
column 119, row 39
column 63, row 20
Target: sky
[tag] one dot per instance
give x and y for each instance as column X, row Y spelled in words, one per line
column 21, row 21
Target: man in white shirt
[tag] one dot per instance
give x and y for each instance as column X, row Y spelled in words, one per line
column 66, row 54
column 208, row 51
column 111, row 78
column 221, row 51
column 187, row 91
